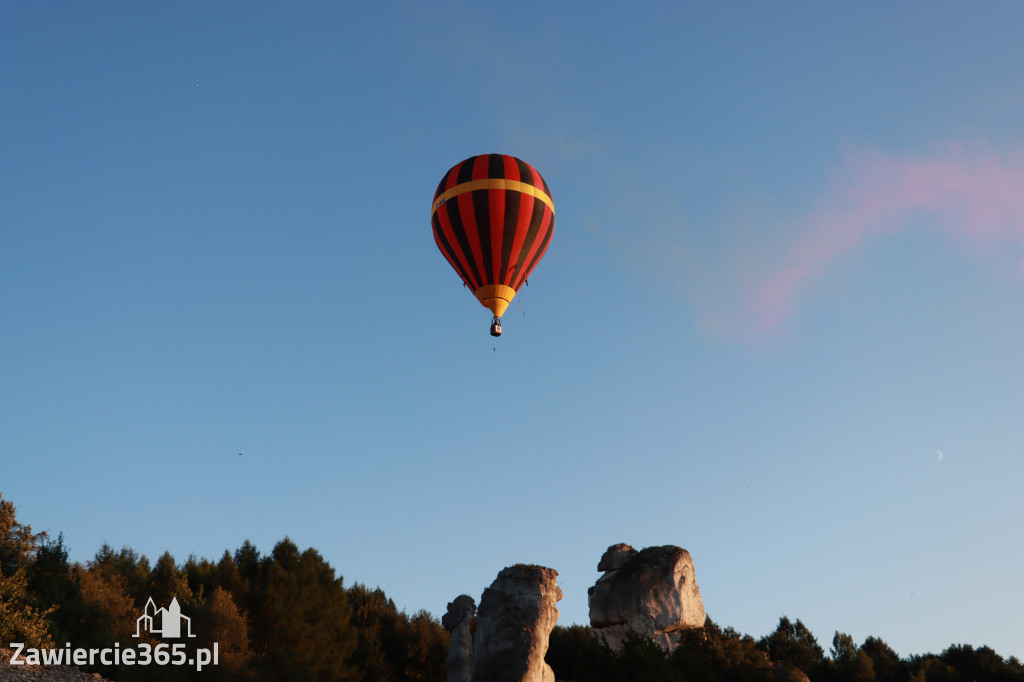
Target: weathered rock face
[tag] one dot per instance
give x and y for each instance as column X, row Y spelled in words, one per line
column 652, row 593
column 458, row 621
column 516, row 616
column 615, row 556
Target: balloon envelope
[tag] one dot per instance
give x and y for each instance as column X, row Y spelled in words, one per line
column 493, row 218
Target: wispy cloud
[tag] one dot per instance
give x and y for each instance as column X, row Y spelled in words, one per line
column 976, row 195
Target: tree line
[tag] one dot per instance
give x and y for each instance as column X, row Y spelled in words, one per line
column 790, row 652
column 287, row 615
column 281, row 616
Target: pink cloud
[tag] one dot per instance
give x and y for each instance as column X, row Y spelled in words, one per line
column 977, row 196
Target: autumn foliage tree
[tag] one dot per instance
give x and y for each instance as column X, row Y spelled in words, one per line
column 21, row 617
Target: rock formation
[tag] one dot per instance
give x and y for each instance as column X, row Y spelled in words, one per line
column 516, row 616
column 458, row 621
column 615, row 556
column 652, row 593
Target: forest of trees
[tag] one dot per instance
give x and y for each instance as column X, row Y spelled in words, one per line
column 286, row 615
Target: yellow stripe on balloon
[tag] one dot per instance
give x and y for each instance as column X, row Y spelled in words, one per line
column 493, row 183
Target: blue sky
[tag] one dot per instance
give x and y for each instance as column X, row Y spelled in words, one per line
column 787, row 272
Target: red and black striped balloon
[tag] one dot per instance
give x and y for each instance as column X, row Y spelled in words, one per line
column 493, row 218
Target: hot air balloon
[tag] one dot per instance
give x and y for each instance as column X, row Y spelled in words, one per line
column 493, row 218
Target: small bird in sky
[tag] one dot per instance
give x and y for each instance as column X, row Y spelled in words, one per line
column 239, row 454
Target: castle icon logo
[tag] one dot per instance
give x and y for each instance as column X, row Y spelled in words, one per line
column 164, row 622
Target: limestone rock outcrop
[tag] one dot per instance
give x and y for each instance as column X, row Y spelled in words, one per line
column 615, row 556
column 459, row 621
column 516, row 616
column 652, row 593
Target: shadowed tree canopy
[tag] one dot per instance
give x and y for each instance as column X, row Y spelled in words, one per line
column 793, row 644
column 18, row 544
column 304, row 626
